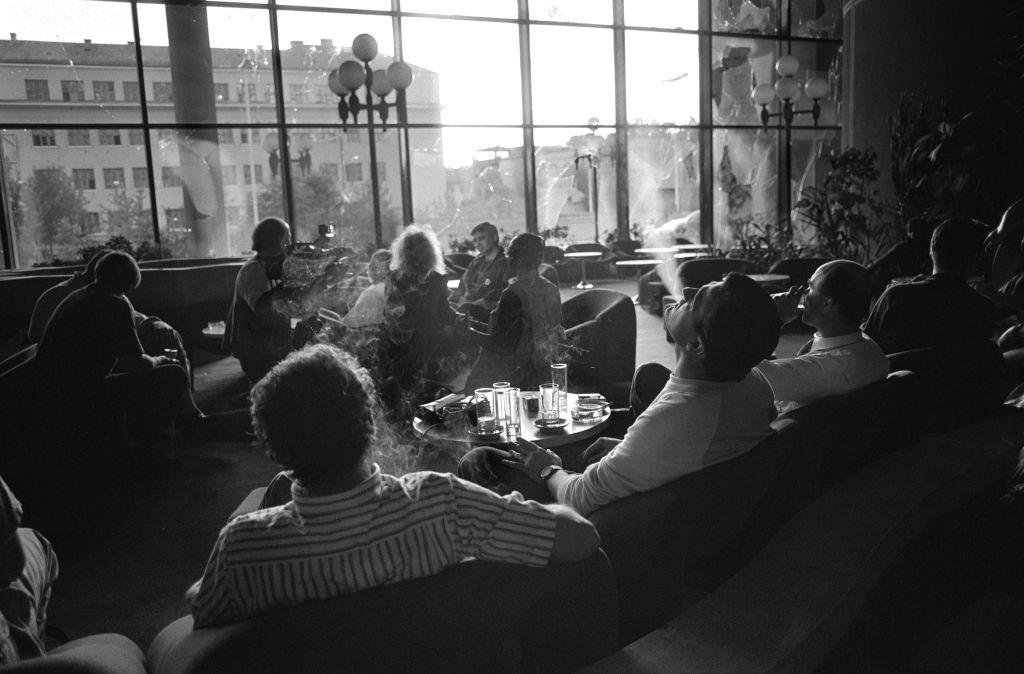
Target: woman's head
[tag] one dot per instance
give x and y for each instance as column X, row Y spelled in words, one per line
column 416, row 252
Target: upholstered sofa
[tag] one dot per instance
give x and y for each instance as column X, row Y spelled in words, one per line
column 475, row 616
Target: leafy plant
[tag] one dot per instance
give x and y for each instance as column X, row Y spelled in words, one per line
column 762, row 243
column 847, row 216
column 556, row 232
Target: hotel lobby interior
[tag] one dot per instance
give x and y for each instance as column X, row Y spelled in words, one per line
column 651, row 146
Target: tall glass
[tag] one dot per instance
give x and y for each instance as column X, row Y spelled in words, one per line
column 501, row 400
column 560, row 378
column 550, row 402
column 485, row 420
column 513, row 415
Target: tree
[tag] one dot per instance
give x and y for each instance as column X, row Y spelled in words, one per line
column 128, row 215
column 60, row 205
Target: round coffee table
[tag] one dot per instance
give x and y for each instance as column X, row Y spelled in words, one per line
column 582, row 257
column 572, row 432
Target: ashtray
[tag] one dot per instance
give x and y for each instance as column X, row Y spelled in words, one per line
column 552, row 425
column 494, row 435
column 589, row 411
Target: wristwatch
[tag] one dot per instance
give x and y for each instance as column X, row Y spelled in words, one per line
column 548, row 471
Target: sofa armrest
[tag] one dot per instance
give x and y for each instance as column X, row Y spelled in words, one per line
column 98, row 653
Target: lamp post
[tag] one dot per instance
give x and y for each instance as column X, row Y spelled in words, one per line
column 345, row 82
column 252, row 59
column 593, row 144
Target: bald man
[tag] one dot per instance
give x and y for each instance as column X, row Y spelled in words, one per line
column 840, row 358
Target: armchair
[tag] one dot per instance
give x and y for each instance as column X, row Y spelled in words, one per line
column 600, row 326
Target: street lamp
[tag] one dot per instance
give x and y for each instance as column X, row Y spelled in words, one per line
column 345, row 82
column 593, row 145
column 789, row 90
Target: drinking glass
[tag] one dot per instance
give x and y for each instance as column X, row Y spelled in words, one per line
column 484, row 400
column 550, row 402
column 171, row 355
column 560, row 378
column 501, row 400
column 512, row 417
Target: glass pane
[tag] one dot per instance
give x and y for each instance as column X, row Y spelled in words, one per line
column 810, row 151
column 662, row 78
column 380, row 5
column 817, row 18
column 52, row 60
column 661, row 14
column 568, row 210
column 743, row 16
column 746, row 172
column 455, row 89
column 582, row 85
column 308, row 56
column 74, row 188
column 737, row 64
column 495, row 8
column 461, row 177
column 210, row 194
column 664, row 184
column 239, row 87
column 575, row 11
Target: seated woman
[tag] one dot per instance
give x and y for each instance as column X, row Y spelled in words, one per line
column 525, row 330
column 257, row 334
column 417, row 327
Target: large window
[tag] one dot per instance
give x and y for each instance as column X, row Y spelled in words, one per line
column 583, row 118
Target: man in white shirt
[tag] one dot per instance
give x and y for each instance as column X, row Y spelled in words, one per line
column 840, row 358
column 711, row 409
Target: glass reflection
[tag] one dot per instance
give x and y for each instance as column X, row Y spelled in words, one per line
column 660, row 14
column 662, row 78
column 572, row 11
column 572, row 206
column 745, row 16
column 664, row 183
column 746, row 173
column 582, row 86
column 737, row 64
column 816, row 18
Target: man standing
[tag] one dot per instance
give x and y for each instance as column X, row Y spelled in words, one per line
column 711, row 409
column 942, row 308
column 348, row 526
column 486, row 277
column 839, row 358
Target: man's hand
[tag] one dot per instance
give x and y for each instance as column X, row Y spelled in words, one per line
column 531, row 459
column 787, row 303
column 599, row 449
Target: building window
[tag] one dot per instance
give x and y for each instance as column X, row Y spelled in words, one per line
column 78, row 137
column 297, row 93
column 103, row 92
column 170, row 177
column 247, row 173
column 324, row 94
column 175, row 219
column 382, row 169
column 229, row 175
column 113, row 178
column 330, row 170
column 163, row 92
column 72, row 90
column 90, row 222
column 225, row 136
column 131, row 92
column 353, row 136
column 136, row 137
column 110, row 137
column 84, row 179
column 140, row 178
column 44, row 138
column 221, row 92
column 353, row 172
column 245, row 134
column 37, row 90
column 242, row 88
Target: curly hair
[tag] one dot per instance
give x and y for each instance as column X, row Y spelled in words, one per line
column 313, row 413
column 416, row 252
column 739, row 329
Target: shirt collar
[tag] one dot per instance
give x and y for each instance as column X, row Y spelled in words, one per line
column 825, row 343
column 312, row 505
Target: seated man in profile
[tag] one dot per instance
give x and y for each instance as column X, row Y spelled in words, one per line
column 942, row 308
column 344, row 526
column 839, row 358
column 485, row 278
column 711, row 409
column 53, row 296
column 91, row 368
column 524, row 330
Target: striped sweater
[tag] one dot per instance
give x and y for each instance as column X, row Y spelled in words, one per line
column 385, row 530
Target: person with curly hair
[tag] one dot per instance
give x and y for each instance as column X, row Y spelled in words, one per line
column 333, row 523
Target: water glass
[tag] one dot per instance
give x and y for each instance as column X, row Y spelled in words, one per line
column 484, row 400
column 501, row 400
column 513, row 415
column 560, row 378
column 550, row 402
column 171, row 355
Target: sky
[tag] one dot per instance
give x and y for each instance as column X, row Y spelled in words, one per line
column 477, row 62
